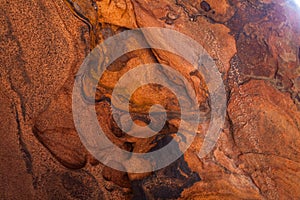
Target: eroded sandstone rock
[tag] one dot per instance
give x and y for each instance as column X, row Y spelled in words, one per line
column 255, row 45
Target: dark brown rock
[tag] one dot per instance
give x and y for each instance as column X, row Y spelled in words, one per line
column 118, row 177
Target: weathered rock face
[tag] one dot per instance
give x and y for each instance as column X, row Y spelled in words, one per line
column 256, row 48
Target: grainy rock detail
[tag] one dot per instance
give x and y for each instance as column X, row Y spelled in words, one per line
column 256, row 48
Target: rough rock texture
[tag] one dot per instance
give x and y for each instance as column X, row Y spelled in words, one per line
column 255, row 45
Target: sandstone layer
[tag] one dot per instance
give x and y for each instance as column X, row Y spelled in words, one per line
column 255, row 46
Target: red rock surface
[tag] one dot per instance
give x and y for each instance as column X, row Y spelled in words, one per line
column 255, row 45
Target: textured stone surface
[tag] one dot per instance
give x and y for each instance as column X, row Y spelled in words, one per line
column 256, row 47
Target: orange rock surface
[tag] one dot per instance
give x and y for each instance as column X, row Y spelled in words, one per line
column 256, row 48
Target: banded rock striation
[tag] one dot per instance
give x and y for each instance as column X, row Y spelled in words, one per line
column 256, row 47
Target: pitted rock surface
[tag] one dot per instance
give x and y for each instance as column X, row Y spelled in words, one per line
column 256, row 47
